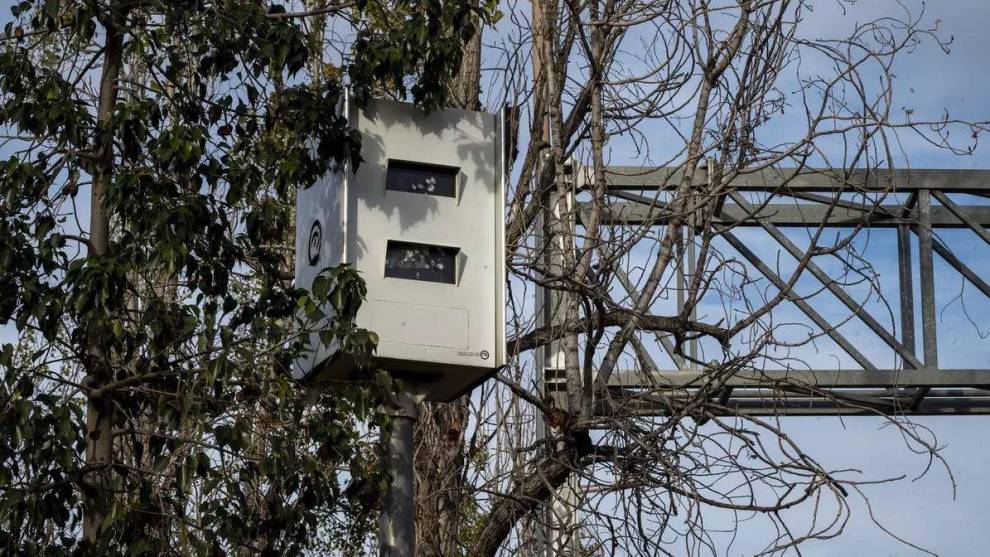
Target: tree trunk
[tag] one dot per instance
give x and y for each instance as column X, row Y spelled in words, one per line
column 465, row 91
column 440, row 472
column 99, row 409
column 527, row 495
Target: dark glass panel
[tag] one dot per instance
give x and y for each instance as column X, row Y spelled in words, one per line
column 426, row 179
column 407, row 260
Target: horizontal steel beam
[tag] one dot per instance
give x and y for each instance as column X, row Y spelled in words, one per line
column 794, row 406
column 809, row 179
column 977, row 378
column 792, row 214
column 878, row 394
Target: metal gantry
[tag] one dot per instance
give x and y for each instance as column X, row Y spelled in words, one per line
column 913, row 202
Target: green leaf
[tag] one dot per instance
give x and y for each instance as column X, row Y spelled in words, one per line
column 321, row 285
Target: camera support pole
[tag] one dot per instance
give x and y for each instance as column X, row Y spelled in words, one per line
column 397, row 526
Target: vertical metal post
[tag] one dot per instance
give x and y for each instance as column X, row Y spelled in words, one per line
column 559, row 516
column 681, row 283
column 691, row 262
column 397, row 526
column 906, row 287
column 927, row 275
column 549, row 358
column 547, row 305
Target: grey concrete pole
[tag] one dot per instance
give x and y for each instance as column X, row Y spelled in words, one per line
column 397, row 527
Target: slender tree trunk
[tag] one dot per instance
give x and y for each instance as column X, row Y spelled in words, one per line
column 465, row 91
column 525, row 497
column 99, row 409
column 440, row 462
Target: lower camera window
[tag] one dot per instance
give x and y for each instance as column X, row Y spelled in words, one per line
column 424, row 262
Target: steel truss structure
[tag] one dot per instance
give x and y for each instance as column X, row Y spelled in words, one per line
column 919, row 203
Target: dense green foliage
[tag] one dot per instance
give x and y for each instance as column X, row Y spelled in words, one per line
column 180, row 325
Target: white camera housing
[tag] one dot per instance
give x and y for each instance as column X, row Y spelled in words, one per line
column 422, row 221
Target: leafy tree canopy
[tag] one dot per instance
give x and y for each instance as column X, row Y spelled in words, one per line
column 151, row 153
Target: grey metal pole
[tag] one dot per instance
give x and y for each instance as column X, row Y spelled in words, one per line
column 906, row 286
column 927, row 275
column 397, row 527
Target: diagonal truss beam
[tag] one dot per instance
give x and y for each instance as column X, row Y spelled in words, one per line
column 633, row 292
column 961, row 215
column 645, row 360
column 838, row 292
column 950, row 258
column 800, row 302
